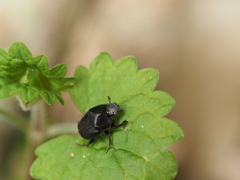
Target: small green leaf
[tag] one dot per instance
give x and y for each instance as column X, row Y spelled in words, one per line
column 139, row 149
column 19, row 50
column 7, row 88
column 4, row 58
column 30, row 77
column 57, row 71
column 41, row 62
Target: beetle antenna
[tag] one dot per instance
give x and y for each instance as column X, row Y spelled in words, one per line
column 109, row 99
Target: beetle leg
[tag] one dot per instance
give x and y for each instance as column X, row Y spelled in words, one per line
column 110, row 139
column 109, row 99
column 120, row 125
column 120, row 110
column 90, row 142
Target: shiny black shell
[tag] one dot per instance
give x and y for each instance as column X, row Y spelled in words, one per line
column 94, row 122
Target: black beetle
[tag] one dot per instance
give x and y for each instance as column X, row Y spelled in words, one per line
column 97, row 120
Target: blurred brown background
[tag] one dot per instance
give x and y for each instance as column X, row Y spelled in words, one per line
column 194, row 44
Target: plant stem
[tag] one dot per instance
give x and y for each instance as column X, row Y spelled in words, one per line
column 60, row 128
column 19, row 122
column 35, row 133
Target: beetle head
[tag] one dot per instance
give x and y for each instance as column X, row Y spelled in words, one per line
column 111, row 109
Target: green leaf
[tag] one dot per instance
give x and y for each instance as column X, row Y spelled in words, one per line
column 30, row 77
column 139, row 149
column 57, row 71
column 19, row 50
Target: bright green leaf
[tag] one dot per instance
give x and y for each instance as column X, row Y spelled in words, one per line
column 30, row 77
column 7, row 88
column 41, row 62
column 4, row 58
column 139, row 149
column 19, row 50
column 57, row 71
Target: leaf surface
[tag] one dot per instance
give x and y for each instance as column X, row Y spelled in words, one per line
column 139, row 149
